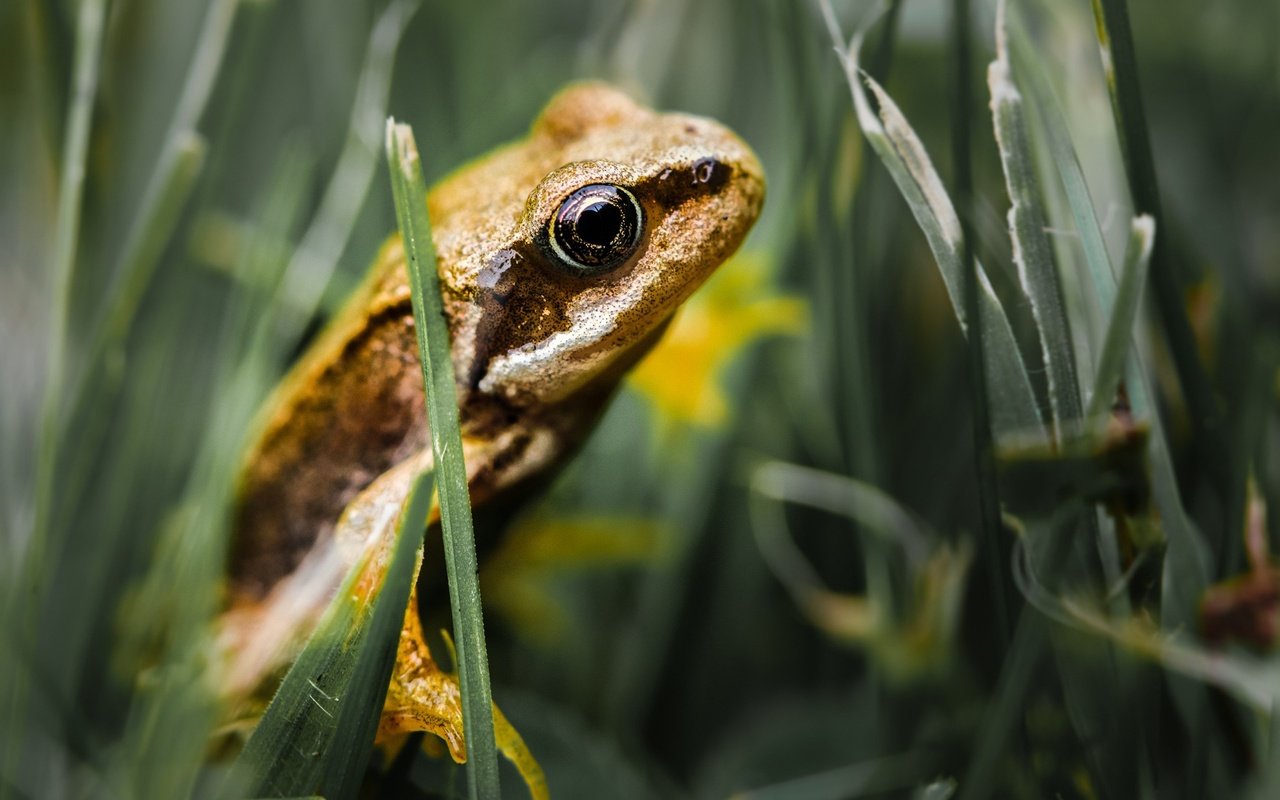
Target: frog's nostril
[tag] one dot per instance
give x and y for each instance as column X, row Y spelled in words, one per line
column 710, row 173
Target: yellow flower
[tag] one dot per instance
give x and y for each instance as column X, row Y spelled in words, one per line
column 681, row 376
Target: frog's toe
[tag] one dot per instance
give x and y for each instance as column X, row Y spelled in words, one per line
column 421, row 696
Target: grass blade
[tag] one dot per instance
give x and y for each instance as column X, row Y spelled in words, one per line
column 44, row 536
column 1187, row 564
column 316, row 736
column 446, row 439
column 994, row 539
column 313, row 263
column 89, row 34
column 169, row 185
column 1031, row 251
column 1115, row 346
column 1120, row 64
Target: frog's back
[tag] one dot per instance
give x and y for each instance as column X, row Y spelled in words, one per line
column 349, row 411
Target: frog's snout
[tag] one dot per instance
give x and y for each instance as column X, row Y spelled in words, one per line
column 751, row 176
column 743, row 176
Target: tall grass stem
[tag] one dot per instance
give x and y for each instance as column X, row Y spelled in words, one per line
column 432, row 331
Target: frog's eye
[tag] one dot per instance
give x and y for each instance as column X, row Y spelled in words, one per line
column 596, row 228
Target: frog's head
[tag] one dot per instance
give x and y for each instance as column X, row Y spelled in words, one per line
column 563, row 255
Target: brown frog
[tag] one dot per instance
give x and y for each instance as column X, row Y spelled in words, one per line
column 561, row 257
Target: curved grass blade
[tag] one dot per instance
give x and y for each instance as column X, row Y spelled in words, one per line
column 317, row 733
column 891, row 136
column 446, row 439
column 1253, row 680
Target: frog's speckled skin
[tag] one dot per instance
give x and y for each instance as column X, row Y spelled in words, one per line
column 537, row 348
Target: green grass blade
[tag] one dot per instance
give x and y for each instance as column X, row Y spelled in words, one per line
column 1124, row 313
column 994, row 538
column 446, row 439
column 317, row 733
column 88, row 53
column 1031, row 72
column 313, row 263
column 1120, row 64
column 358, row 718
column 1031, row 252
column 169, row 185
column 44, row 536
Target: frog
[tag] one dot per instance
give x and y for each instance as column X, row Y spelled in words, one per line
column 562, row 257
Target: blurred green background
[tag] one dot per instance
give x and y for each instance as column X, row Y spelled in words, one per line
column 680, row 666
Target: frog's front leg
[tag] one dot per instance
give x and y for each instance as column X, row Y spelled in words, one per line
column 260, row 638
column 421, row 695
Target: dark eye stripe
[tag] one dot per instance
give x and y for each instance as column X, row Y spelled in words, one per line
column 596, row 228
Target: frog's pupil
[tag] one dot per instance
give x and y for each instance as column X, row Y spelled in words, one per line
column 596, row 228
column 599, row 223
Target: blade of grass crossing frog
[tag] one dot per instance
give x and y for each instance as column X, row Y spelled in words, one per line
column 410, row 193
column 317, row 732
column 358, row 716
column 1031, row 252
column 1013, row 404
